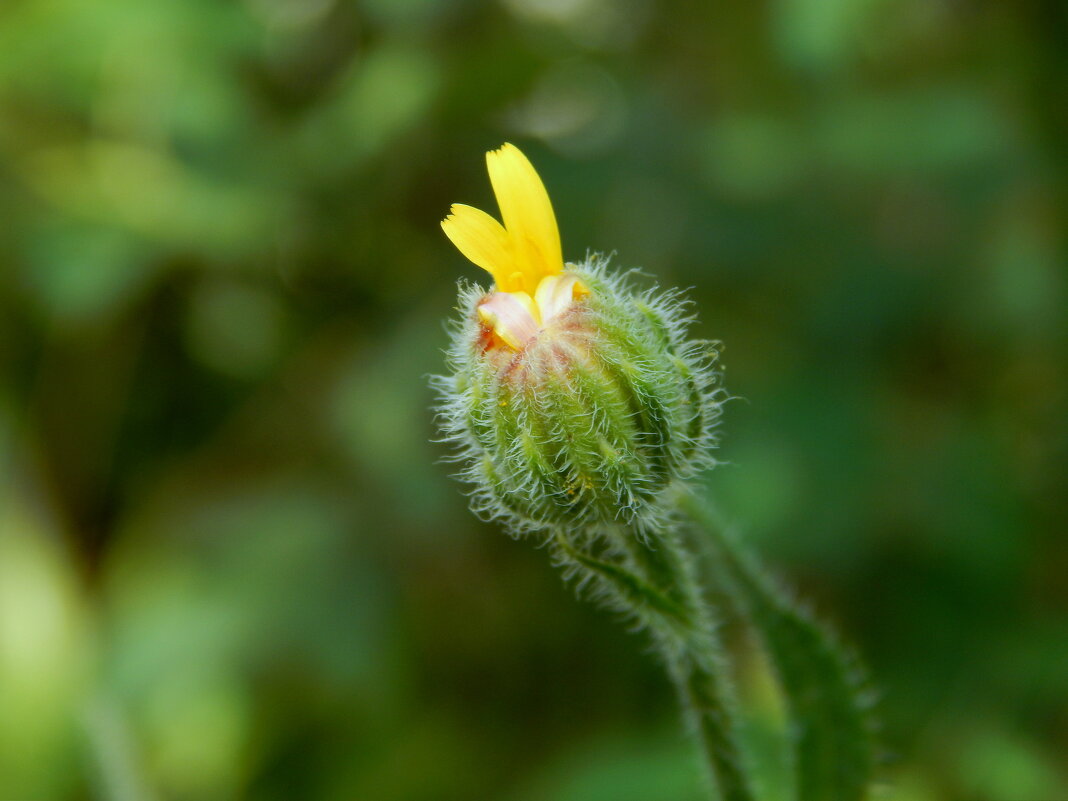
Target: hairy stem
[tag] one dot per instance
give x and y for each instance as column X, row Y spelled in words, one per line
column 702, row 691
column 651, row 579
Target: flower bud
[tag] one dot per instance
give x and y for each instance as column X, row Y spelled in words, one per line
column 591, row 418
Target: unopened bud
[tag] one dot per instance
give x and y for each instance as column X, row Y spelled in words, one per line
column 588, row 421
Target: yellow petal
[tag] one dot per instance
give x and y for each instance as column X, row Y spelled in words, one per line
column 527, row 214
column 482, row 240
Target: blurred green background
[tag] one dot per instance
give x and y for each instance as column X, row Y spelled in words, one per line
column 231, row 563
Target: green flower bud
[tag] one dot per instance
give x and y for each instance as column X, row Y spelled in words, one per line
column 589, row 421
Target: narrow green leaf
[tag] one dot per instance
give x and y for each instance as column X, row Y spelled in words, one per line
column 830, row 723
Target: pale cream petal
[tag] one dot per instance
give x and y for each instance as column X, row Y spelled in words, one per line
column 482, row 240
column 556, row 293
column 527, row 302
column 511, row 317
column 549, row 297
column 527, row 214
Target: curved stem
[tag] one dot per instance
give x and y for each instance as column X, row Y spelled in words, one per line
column 655, row 584
column 642, row 598
column 695, row 664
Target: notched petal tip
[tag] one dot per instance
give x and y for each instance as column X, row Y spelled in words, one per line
column 481, row 239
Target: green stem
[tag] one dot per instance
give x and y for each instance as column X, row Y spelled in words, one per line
column 655, row 584
column 703, row 695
